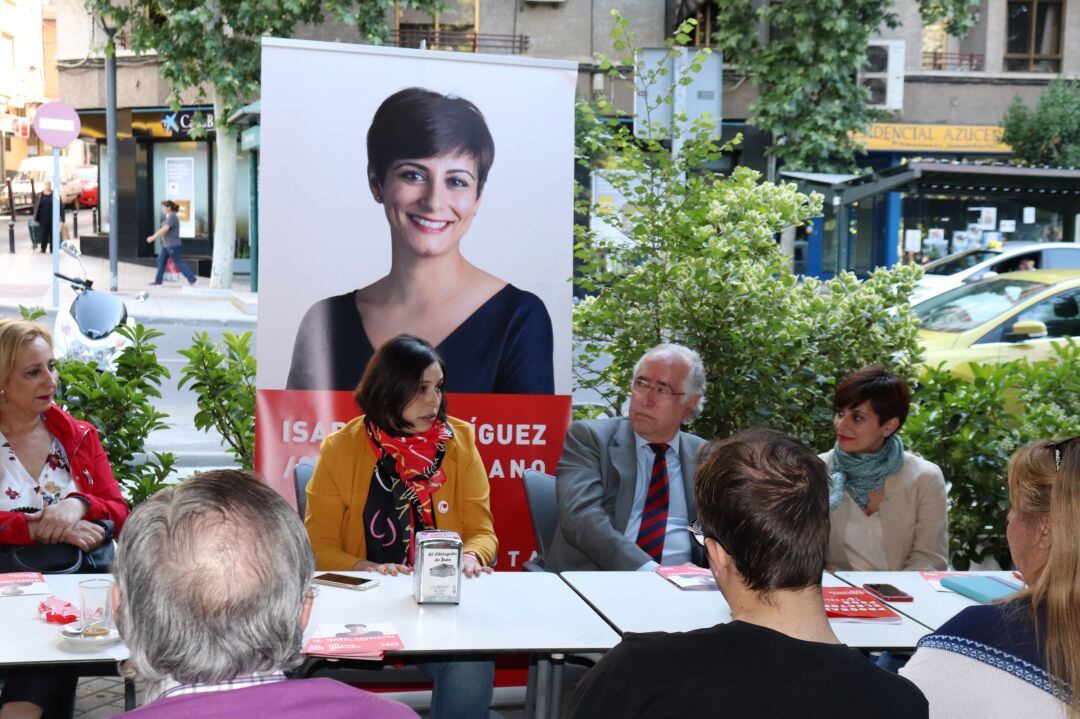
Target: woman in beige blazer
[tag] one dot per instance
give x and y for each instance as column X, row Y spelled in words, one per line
column 889, row 509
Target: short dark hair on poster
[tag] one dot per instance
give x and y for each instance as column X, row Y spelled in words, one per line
column 764, row 497
column 392, row 378
column 886, row 392
column 415, row 123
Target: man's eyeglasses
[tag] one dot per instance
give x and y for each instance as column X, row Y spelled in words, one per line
column 697, row 531
column 1057, row 447
column 641, row 386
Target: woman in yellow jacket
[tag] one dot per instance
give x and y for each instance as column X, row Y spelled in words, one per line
column 400, row 468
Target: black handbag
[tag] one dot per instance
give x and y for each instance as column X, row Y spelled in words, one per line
column 60, row 558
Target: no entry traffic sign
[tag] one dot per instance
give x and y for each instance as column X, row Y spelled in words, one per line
column 57, row 123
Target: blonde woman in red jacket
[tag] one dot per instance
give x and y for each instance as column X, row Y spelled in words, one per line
column 55, row 480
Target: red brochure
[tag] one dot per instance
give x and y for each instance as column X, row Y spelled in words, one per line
column 689, row 577
column 18, row 584
column 851, row 604
column 353, row 641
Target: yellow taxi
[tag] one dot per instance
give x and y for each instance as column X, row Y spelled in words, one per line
column 1012, row 315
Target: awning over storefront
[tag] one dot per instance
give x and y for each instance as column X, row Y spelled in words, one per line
column 956, row 178
column 1053, row 187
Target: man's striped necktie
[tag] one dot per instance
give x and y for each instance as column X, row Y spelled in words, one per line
column 654, row 517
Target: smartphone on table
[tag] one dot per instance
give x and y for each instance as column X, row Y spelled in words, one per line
column 331, row 579
column 887, row 593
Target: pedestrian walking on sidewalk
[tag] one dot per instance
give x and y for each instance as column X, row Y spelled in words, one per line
column 43, row 215
column 170, row 249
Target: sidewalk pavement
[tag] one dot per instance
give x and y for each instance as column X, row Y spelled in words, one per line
column 26, row 279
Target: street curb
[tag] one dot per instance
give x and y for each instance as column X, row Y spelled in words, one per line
column 195, row 321
column 247, row 322
column 194, row 459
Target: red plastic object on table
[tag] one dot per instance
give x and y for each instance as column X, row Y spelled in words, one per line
column 56, row 611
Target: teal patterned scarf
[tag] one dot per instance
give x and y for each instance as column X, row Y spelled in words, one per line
column 860, row 474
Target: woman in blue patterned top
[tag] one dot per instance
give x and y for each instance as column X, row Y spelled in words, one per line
column 1019, row 657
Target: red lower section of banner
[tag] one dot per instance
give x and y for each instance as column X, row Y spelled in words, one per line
column 513, row 433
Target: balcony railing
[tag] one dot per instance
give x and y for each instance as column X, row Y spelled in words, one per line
column 955, row 61
column 460, row 40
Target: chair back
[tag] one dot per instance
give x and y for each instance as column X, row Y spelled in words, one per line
column 540, row 494
column 301, row 476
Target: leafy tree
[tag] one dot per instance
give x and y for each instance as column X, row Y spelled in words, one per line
column 805, row 63
column 970, row 428
column 213, row 46
column 1051, row 134
column 701, row 266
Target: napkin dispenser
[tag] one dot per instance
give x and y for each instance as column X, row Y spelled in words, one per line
column 437, row 567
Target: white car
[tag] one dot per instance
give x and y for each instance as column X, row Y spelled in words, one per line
column 34, row 172
column 979, row 263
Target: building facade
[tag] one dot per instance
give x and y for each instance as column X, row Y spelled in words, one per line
column 23, row 74
column 947, row 95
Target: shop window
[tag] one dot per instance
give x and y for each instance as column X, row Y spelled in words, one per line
column 1033, row 35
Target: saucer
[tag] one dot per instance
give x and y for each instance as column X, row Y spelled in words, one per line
column 74, row 638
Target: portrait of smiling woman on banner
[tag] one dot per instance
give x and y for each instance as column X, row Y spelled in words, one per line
column 429, row 156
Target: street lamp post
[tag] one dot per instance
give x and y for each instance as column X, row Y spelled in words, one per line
column 113, row 154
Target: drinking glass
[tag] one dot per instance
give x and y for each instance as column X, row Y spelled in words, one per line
column 95, row 606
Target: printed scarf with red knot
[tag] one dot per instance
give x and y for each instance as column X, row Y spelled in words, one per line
column 407, row 472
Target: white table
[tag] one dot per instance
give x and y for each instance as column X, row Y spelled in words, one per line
column 504, row 612
column 646, row 602
column 30, row 640
column 928, row 606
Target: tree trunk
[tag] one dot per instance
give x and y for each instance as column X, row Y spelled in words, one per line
column 221, row 272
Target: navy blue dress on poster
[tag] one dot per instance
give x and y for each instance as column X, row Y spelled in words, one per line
column 504, row 347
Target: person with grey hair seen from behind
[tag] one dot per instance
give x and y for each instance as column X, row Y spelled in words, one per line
column 763, row 500
column 213, row 591
column 625, row 485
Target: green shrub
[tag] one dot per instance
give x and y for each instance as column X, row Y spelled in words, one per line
column 223, row 379
column 31, row 314
column 970, row 428
column 120, row 405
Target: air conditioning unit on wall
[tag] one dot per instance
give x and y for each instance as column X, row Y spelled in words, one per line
column 883, row 74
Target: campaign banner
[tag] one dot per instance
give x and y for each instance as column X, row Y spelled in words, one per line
column 292, row 424
column 423, row 192
column 427, row 193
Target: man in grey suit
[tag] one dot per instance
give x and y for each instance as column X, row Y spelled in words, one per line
column 625, row 485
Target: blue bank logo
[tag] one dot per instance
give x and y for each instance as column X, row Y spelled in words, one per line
column 169, row 123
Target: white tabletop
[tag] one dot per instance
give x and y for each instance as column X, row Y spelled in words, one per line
column 928, row 606
column 31, row 640
column 499, row 612
column 646, row 602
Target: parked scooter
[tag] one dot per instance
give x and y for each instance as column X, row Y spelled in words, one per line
column 87, row 330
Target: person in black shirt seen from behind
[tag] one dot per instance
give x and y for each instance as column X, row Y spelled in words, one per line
column 763, row 517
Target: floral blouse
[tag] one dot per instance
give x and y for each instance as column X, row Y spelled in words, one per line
column 19, row 492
